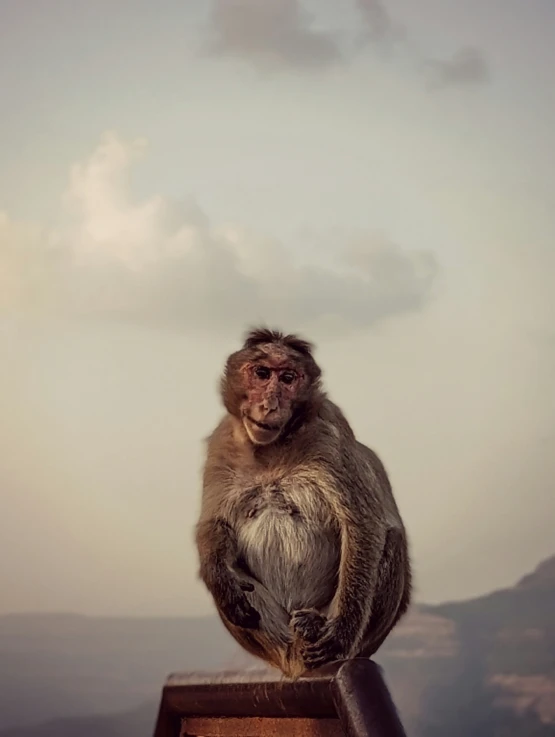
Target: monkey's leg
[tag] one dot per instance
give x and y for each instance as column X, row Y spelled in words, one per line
column 393, row 593
column 217, row 546
column 271, row 640
column 340, row 636
column 274, row 619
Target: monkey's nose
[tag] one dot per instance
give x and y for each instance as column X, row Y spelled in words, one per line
column 270, row 404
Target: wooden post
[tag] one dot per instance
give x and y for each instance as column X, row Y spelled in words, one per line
column 346, row 699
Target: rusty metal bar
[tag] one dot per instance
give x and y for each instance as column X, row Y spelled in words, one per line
column 260, row 727
column 364, row 705
column 349, row 698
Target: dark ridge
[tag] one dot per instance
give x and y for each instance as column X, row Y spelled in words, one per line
column 543, row 577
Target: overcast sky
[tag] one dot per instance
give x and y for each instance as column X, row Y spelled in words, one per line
column 377, row 176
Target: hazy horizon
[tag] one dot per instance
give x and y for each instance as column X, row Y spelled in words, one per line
column 61, row 613
column 379, row 180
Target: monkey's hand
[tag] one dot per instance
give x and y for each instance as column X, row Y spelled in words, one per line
column 233, row 603
column 325, row 640
column 308, row 624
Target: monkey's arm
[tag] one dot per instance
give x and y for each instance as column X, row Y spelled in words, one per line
column 217, row 546
column 362, row 545
column 340, row 635
column 363, row 535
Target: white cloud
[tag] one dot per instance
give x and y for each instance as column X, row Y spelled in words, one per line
column 162, row 262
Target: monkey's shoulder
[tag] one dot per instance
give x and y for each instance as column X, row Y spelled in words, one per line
column 361, row 479
column 334, row 422
column 332, row 418
column 221, row 432
column 225, row 444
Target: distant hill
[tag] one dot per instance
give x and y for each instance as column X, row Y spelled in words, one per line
column 483, row 667
column 71, row 665
column 141, row 721
column 478, row 668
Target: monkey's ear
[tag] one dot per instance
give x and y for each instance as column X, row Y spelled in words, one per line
column 231, row 390
column 314, row 370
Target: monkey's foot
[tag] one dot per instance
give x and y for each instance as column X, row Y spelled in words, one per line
column 327, row 648
column 308, row 624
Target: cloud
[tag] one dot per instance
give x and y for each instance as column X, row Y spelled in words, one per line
column 270, row 34
column 280, row 35
column 379, row 26
column 468, row 66
column 165, row 263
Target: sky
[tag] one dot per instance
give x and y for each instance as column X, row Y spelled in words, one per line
column 377, row 176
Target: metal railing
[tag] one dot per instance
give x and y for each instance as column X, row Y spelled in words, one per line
column 347, row 699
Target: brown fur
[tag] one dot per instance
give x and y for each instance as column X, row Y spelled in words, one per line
column 299, row 538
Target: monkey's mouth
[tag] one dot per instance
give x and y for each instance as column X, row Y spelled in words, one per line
column 263, row 425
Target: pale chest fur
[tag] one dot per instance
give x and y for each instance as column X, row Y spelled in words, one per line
column 287, row 538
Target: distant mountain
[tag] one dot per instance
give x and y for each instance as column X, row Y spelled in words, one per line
column 55, row 666
column 478, row 668
column 138, row 722
column 483, row 667
column 542, row 578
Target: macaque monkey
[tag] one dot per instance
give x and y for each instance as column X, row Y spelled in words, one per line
column 300, row 540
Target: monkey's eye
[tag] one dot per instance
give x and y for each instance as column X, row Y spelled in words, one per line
column 262, row 372
column 287, row 377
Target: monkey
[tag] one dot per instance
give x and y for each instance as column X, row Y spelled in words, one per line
column 300, row 540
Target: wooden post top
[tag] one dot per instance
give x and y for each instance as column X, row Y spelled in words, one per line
column 346, row 699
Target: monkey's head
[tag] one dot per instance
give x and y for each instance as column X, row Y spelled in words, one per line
column 269, row 383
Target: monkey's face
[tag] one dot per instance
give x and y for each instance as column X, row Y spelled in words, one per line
column 272, row 390
column 269, row 382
